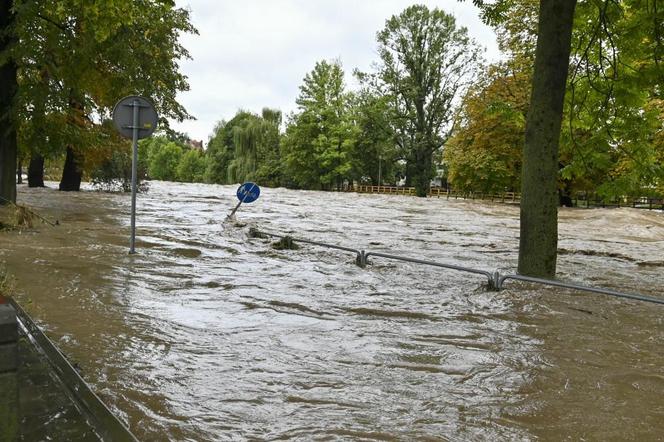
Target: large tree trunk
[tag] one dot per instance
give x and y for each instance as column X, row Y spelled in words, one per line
column 539, row 195
column 71, row 173
column 8, row 87
column 36, row 171
column 410, row 172
column 19, row 172
column 422, row 176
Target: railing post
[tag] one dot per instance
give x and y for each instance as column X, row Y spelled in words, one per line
column 8, row 373
column 361, row 259
column 495, row 283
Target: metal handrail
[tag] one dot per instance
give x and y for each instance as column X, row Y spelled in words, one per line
column 495, row 279
column 316, row 243
column 490, row 276
column 569, row 285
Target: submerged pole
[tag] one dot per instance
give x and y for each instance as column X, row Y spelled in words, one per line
column 134, row 173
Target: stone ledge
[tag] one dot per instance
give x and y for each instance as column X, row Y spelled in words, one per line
column 8, row 324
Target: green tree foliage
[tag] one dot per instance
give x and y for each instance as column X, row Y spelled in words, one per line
column 610, row 139
column 221, row 148
column 612, row 115
column 109, row 165
column 269, row 171
column 191, row 167
column 374, row 151
column 218, row 156
column 485, row 152
column 77, row 58
column 163, row 161
column 8, row 80
column 614, row 98
column 146, row 148
column 256, row 155
column 426, row 62
column 169, row 157
column 319, row 137
column 245, row 159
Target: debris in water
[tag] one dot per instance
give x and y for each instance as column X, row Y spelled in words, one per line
column 23, row 217
column 255, row 233
column 285, row 243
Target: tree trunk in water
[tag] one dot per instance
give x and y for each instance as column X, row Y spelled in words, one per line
column 410, row 170
column 19, row 173
column 422, row 172
column 71, row 173
column 36, row 171
column 8, row 87
column 538, row 242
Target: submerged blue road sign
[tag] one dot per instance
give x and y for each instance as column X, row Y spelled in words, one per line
column 248, row 192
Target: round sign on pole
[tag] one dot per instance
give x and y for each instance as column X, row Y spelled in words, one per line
column 134, row 117
column 248, row 192
column 123, row 116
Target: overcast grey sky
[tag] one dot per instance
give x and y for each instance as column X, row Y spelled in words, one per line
column 252, row 54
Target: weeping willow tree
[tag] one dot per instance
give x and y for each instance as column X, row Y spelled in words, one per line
column 246, row 139
column 256, row 144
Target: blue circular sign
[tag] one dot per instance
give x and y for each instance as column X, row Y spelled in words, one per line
column 248, row 192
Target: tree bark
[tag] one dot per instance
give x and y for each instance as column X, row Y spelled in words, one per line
column 8, row 88
column 36, row 171
column 422, row 175
column 19, row 172
column 538, row 242
column 71, row 173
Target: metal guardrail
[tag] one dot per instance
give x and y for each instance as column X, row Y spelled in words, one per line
column 491, row 278
column 316, row 243
column 569, row 285
column 495, row 280
column 107, row 426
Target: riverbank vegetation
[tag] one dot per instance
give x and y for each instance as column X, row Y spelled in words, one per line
column 65, row 64
column 430, row 109
column 465, row 129
column 575, row 104
column 6, row 282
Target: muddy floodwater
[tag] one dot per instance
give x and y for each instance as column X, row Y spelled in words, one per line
column 206, row 334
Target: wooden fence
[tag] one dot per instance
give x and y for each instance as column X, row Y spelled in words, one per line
column 580, row 199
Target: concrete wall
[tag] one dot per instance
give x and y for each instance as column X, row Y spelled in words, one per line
column 8, row 373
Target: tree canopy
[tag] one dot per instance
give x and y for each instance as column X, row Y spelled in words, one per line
column 610, row 137
column 426, row 63
column 75, row 59
column 319, row 136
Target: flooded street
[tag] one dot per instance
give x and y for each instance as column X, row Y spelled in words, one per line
column 206, row 334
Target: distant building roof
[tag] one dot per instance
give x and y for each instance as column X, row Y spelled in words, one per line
column 195, row 144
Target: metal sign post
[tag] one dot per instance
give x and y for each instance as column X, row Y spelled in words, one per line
column 134, row 117
column 246, row 193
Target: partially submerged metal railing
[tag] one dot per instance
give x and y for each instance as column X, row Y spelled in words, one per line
column 569, row 285
column 490, row 276
column 308, row 241
column 495, row 280
column 107, row 426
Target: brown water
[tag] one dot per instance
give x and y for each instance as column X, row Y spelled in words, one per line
column 206, row 334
